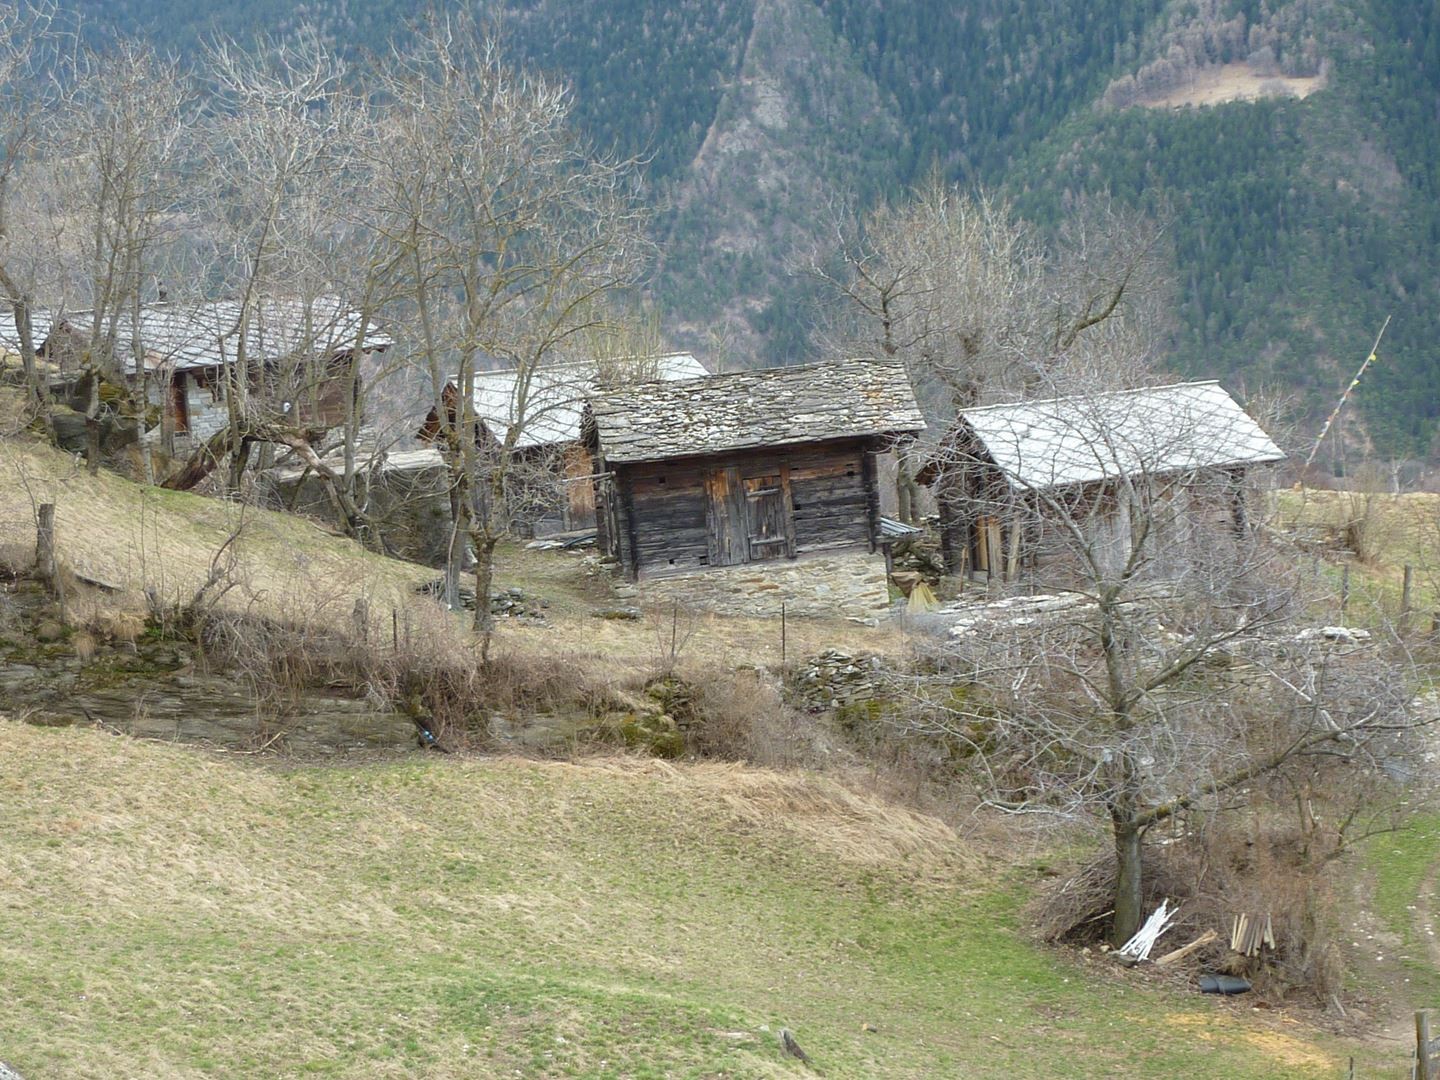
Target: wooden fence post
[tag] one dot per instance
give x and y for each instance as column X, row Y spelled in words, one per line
column 1405, row 598
column 1424, row 1051
column 361, row 618
column 45, row 565
column 1344, row 590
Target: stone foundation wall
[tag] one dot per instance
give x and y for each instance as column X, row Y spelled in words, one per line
column 851, row 585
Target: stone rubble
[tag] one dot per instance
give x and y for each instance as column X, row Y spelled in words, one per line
column 506, row 603
column 835, row 678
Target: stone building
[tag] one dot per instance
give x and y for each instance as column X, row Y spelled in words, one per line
column 737, row 492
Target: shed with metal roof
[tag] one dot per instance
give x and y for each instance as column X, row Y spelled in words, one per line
column 1008, row 471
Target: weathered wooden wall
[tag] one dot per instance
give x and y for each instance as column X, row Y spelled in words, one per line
column 578, row 469
column 1187, row 515
column 683, row 515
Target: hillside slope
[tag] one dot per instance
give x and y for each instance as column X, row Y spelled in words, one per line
column 132, row 537
column 178, row 916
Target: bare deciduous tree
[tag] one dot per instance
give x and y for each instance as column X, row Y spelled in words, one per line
column 1165, row 664
column 980, row 310
column 952, row 285
column 119, row 149
column 27, row 233
column 506, row 238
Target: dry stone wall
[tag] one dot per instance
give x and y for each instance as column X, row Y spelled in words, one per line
column 851, row 585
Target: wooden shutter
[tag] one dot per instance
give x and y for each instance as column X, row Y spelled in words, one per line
column 769, row 517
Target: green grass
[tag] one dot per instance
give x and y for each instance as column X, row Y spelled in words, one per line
column 167, row 914
column 1402, row 863
column 1397, row 530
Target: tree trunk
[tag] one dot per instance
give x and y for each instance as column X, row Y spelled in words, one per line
column 484, row 576
column 45, row 564
column 92, row 445
column 459, row 535
column 1129, row 900
column 92, row 424
column 201, row 463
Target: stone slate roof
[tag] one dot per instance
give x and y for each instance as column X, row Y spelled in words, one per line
column 1041, row 445
column 748, row 409
column 182, row 336
column 550, row 402
column 40, row 321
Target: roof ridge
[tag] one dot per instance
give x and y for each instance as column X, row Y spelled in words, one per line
column 775, row 369
column 1027, row 402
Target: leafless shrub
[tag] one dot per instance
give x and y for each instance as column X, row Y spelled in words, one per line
column 1364, row 530
column 1215, row 870
column 741, row 716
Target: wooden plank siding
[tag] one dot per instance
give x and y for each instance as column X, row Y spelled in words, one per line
column 691, row 513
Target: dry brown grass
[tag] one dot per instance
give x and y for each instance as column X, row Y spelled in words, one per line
column 815, row 812
column 716, row 639
column 132, row 537
column 1384, row 533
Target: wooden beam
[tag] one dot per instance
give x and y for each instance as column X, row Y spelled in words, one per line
column 789, row 512
column 627, row 507
column 1176, row 955
column 870, row 475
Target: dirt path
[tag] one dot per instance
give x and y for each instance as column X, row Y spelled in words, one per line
column 1400, row 1030
column 1425, row 914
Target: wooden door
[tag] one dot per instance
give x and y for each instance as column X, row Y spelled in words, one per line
column 179, row 407
column 726, row 522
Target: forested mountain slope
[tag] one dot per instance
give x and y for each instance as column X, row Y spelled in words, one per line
column 1298, row 223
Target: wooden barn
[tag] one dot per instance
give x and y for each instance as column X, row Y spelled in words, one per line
column 297, row 355
column 1033, row 485
column 748, row 468
column 543, row 406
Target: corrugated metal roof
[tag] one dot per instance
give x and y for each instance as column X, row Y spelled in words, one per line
column 182, row 336
column 891, row 529
column 551, row 399
column 769, row 407
column 1155, row 430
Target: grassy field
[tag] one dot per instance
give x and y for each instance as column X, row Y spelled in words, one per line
column 1405, row 866
column 1391, row 531
column 168, row 914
